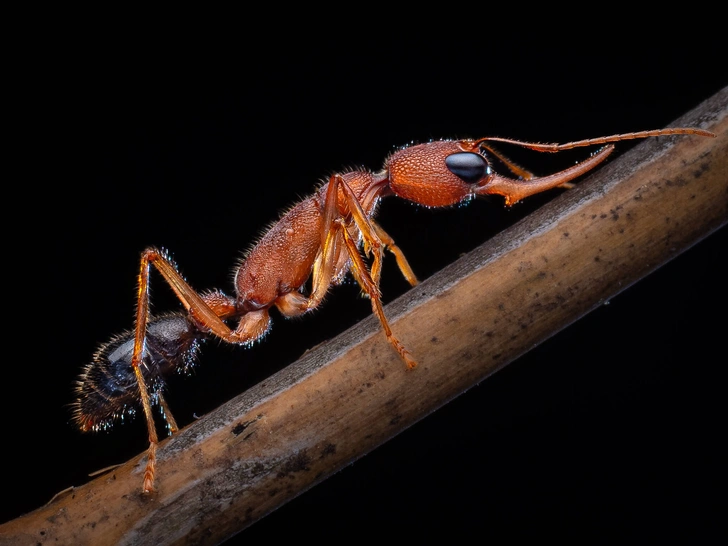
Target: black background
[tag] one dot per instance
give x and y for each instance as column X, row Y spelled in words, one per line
column 609, row 430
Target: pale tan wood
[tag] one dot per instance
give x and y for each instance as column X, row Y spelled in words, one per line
column 344, row 398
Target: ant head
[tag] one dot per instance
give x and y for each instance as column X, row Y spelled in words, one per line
column 438, row 173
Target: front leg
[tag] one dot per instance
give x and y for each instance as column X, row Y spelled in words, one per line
column 336, row 239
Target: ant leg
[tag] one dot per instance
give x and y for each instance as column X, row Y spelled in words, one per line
column 167, row 414
column 148, row 485
column 372, row 243
column 375, row 238
column 136, row 360
column 389, row 243
column 328, row 262
column 295, row 303
column 323, row 267
column 363, row 277
column 251, row 326
column 515, row 190
column 333, row 229
column 201, row 309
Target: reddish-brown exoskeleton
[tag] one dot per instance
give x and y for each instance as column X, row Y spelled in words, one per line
column 319, row 239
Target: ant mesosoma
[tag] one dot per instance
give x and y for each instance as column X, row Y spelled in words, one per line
column 318, row 238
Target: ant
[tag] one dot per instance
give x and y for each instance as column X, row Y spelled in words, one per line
column 320, row 238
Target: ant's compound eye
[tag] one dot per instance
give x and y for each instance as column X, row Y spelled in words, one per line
column 467, row 166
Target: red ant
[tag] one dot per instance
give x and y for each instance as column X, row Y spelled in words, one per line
column 319, row 238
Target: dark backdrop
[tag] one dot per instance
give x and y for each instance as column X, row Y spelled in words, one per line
column 608, row 430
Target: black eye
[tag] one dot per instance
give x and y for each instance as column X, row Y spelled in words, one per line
column 468, row 166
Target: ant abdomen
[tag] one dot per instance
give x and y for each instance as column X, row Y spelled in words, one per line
column 107, row 388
